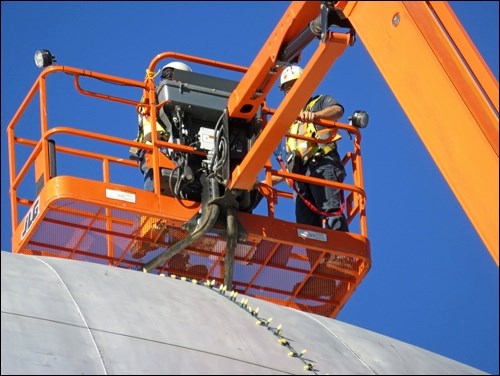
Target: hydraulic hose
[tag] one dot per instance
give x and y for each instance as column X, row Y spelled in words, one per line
column 231, row 243
column 209, row 216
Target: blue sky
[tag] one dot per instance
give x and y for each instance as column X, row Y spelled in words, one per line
column 433, row 283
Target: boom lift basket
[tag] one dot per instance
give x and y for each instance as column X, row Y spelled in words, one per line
column 98, row 218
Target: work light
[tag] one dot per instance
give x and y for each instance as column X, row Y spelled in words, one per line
column 43, row 58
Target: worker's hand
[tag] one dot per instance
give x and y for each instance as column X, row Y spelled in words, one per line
column 308, row 116
column 274, row 180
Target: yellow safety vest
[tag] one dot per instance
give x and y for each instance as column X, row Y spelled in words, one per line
column 145, row 134
column 307, row 149
column 145, row 128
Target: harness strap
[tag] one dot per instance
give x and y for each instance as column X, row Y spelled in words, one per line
column 307, row 149
column 308, row 203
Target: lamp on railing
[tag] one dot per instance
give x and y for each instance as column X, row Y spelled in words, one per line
column 359, row 119
column 43, row 59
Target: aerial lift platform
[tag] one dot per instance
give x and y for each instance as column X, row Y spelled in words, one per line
column 89, row 215
column 85, row 215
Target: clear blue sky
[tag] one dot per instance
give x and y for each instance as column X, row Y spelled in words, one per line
column 433, row 283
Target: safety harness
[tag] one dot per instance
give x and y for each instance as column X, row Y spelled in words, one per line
column 308, row 203
column 308, row 149
column 144, row 125
column 305, row 148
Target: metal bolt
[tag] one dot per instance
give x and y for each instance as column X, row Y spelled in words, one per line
column 395, row 20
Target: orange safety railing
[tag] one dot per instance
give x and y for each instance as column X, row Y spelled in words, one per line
column 97, row 211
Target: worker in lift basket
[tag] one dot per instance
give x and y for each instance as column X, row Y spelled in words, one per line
column 151, row 228
column 163, row 133
column 315, row 205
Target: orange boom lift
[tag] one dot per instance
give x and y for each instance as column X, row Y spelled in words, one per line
column 88, row 214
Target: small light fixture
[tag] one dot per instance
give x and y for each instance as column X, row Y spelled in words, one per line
column 43, row 59
column 359, row 119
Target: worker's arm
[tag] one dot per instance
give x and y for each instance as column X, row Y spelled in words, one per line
column 332, row 113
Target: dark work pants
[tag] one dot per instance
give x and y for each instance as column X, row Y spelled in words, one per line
column 325, row 199
column 148, row 175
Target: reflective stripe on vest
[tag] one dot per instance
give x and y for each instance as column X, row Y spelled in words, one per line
column 145, row 134
column 307, row 149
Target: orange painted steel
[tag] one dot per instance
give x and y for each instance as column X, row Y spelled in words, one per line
column 264, row 70
column 246, row 173
column 448, row 93
column 98, row 219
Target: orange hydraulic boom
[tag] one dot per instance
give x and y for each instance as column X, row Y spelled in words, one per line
column 423, row 52
column 434, row 70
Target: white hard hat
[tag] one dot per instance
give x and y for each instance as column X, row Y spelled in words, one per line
column 290, row 73
column 178, row 65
